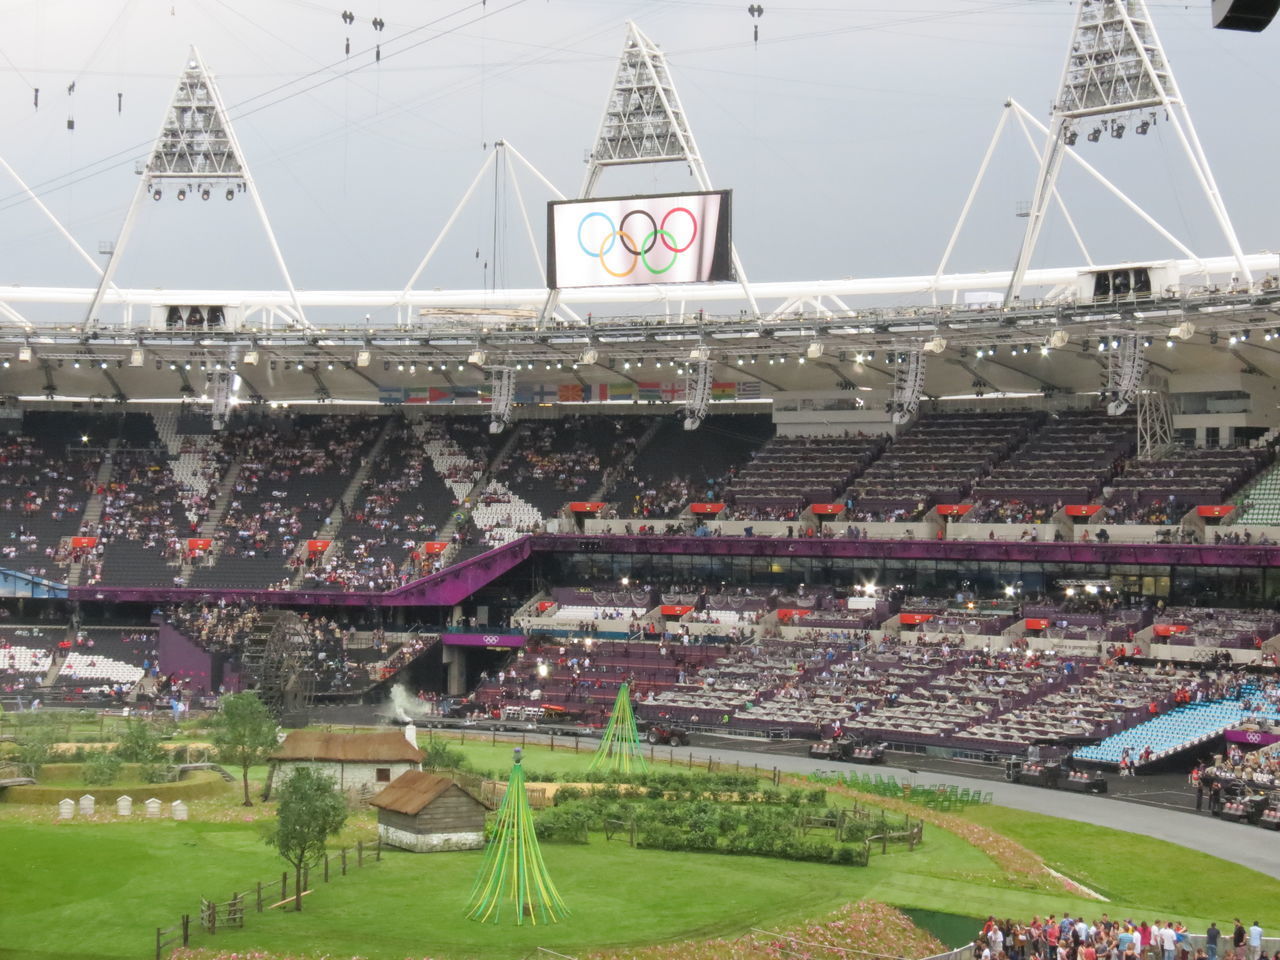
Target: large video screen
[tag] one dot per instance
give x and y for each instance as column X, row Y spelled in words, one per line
column 637, row 240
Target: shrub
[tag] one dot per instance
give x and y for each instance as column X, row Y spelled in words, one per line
column 101, row 768
column 438, row 755
column 568, row 794
column 158, row 773
column 140, row 743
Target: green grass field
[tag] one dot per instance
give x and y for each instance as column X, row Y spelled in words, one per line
column 1167, row 880
column 98, row 890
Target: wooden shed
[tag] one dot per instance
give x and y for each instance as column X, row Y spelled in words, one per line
column 425, row 812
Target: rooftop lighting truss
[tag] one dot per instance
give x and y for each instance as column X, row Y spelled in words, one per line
column 644, row 122
column 196, row 147
column 1116, row 72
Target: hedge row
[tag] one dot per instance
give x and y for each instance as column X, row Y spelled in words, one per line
column 196, row 785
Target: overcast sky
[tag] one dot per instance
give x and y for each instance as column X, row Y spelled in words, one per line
column 849, row 134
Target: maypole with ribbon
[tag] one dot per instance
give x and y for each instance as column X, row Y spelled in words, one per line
column 619, row 750
column 514, row 879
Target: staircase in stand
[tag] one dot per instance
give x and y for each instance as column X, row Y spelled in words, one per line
column 346, row 503
column 93, row 511
column 611, row 476
column 209, row 529
column 473, row 495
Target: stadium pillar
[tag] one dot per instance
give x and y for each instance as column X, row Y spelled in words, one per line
column 455, row 664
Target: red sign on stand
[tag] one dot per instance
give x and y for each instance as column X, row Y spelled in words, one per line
column 706, row 507
column 196, row 544
column 676, row 609
column 1218, row 511
column 914, row 619
column 318, row 546
column 789, row 614
column 1082, row 509
column 585, row 506
column 954, row 509
column 826, row 509
column 1037, row 623
column 1169, row 629
column 435, row 546
column 83, row 543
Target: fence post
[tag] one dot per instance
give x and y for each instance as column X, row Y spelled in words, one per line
column 709, row 761
column 344, row 861
column 690, row 761
column 777, row 777
column 157, row 943
column 377, row 851
column 186, row 929
column 326, row 868
column 259, row 896
column 359, row 853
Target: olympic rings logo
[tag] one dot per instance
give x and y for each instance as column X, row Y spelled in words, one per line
column 659, row 232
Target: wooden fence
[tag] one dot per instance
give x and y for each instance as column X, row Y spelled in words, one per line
column 265, row 895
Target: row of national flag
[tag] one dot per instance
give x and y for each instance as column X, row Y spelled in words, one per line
column 569, row 393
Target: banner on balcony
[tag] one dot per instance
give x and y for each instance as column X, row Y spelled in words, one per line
column 586, row 506
column 826, row 509
column 482, row 639
column 791, row 614
column 318, row 546
column 1216, row 511
column 676, row 609
column 1082, row 509
column 1037, row 623
column 83, row 543
column 435, row 546
column 914, row 619
column 954, row 509
column 195, row 544
column 706, row 507
column 1169, row 629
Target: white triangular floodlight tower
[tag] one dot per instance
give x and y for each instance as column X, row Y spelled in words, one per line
column 644, row 122
column 1116, row 73
column 196, row 145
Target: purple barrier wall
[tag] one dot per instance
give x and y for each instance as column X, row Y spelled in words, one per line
column 456, row 583
column 1253, row 738
column 482, row 639
column 182, row 658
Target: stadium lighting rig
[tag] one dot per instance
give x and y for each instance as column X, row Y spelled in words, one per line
column 697, row 394
column 908, row 387
column 503, row 385
column 1125, row 368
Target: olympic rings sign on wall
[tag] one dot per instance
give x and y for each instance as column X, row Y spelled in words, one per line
column 649, row 239
column 685, row 225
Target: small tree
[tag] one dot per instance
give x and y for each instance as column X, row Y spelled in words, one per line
column 140, row 743
column 35, row 745
column 310, row 811
column 244, row 734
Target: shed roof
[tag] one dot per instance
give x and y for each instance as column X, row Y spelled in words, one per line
column 413, row 790
column 388, row 746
